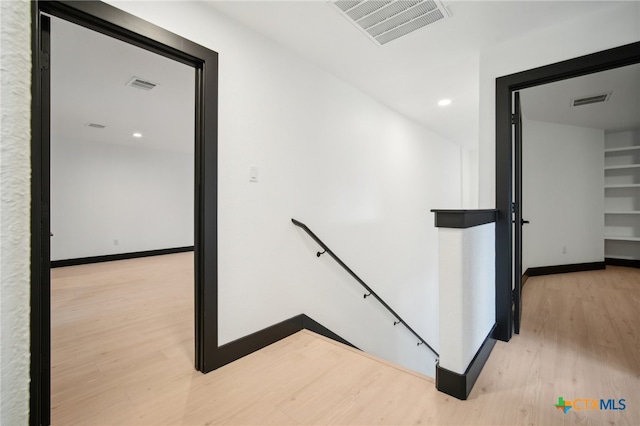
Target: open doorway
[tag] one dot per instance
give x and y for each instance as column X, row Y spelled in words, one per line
column 581, row 164
column 122, row 148
column 122, row 213
column 115, row 23
column 506, row 284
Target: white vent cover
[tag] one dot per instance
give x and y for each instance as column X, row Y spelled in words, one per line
column 140, row 83
column 96, row 125
column 593, row 99
column 386, row 20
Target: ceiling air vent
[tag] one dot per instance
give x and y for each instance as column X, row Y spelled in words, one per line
column 96, row 125
column 593, row 99
column 386, row 20
column 139, row 83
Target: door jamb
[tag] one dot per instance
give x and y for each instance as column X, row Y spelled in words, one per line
column 600, row 61
column 113, row 22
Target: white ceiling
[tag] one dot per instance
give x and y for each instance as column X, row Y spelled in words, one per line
column 552, row 102
column 412, row 73
column 89, row 73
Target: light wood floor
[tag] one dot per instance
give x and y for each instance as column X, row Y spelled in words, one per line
column 123, row 355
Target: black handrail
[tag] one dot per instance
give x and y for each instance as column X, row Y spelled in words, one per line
column 362, row 283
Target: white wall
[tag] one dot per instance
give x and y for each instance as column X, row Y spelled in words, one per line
column 616, row 25
column 15, row 181
column 103, row 192
column 467, row 290
column 470, row 184
column 361, row 176
column 562, row 192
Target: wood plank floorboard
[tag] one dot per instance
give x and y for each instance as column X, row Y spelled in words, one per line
column 122, row 354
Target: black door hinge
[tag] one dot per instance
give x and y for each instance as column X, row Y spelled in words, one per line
column 44, row 60
column 514, row 118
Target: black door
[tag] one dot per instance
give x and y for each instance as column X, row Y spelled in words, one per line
column 40, row 225
column 518, row 221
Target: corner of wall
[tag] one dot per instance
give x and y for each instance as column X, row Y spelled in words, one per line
column 15, row 178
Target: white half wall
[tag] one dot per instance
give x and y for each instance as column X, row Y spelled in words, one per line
column 109, row 199
column 361, row 176
column 467, row 290
column 616, row 25
column 563, row 181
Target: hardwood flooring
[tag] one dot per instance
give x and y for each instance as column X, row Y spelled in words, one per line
column 122, row 354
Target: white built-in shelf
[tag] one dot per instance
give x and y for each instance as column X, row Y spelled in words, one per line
column 629, row 166
column 631, row 185
column 619, row 195
column 626, row 148
column 622, row 238
column 624, row 212
column 617, row 256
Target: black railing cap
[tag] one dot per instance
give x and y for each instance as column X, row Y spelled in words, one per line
column 463, row 218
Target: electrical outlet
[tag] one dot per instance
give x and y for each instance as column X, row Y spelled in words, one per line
column 116, row 242
column 564, row 249
column 253, row 174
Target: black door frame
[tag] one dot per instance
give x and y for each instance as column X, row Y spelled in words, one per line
column 505, row 86
column 128, row 28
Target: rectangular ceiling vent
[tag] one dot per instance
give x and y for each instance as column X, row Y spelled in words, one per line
column 96, row 125
column 593, row 99
column 139, row 83
column 387, row 20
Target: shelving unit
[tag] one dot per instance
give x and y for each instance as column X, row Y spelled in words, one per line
column 622, row 195
column 622, row 238
column 624, row 148
column 621, row 212
column 637, row 185
column 630, row 166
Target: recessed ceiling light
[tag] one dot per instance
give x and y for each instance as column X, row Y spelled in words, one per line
column 444, row 102
column 137, row 135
